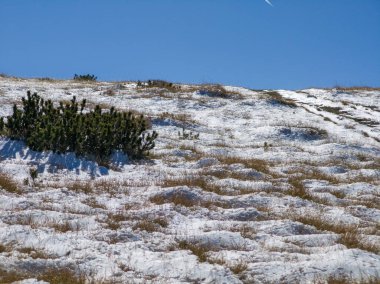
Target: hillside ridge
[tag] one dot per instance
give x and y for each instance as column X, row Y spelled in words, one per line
column 243, row 186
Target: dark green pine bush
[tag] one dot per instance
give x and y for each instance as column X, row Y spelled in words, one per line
column 2, row 125
column 159, row 84
column 67, row 128
column 87, row 77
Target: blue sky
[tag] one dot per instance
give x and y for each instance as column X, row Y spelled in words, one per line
column 295, row 44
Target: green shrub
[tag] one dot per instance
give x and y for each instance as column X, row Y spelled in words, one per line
column 159, row 84
column 187, row 135
column 33, row 173
column 67, row 128
column 2, row 125
column 87, row 77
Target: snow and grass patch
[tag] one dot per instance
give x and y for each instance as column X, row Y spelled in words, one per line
column 270, row 191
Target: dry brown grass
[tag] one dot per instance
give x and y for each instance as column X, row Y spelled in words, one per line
column 4, row 248
column 160, row 84
column 217, row 260
column 81, row 186
column 363, row 162
column 195, row 154
column 361, row 178
column 200, row 251
column 297, row 177
column 114, row 220
column 153, row 225
column 106, row 185
column 8, row 277
column 363, row 157
column 109, row 92
column 58, row 225
column 334, row 110
column 318, row 175
column 177, row 199
column 26, row 220
column 250, row 163
column 238, row 267
column 373, row 202
column 353, row 239
column 180, row 199
column 146, row 225
column 321, row 224
column 110, row 186
column 298, row 189
column 180, row 117
column 344, row 279
column 199, row 181
column 218, row 91
column 276, row 98
column 338, row 194
column 225, row 173
column 52, row 276
column 113, row 225
column 136, row 182
column 92, row 202
column 61, row 276
column 348, row 234
column 124, row 267
column 220, row 144
column 308, row 173
column 8, row 184
column 63, row 227
column 205, row 180
column 163, row 222
column 245, row 231
column 36, row 254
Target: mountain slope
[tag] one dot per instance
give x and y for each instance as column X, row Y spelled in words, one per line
column 279, row 186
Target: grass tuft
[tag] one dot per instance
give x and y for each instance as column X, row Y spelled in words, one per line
column 276, row 98
column 250, row 163
column 61, row 276
column 344, row 279
column 8, row 184
column 239, row 267
column 151, row 224
column 52, row 276
column 348, row 234
column 177, row 199
column 81, row 186
column 353, row 239
column 198, row 250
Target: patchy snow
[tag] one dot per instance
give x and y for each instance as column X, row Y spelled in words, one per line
column 270, row 192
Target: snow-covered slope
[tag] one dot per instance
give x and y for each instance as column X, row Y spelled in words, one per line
column 279, row 187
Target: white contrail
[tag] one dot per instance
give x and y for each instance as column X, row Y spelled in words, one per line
column 269, row 2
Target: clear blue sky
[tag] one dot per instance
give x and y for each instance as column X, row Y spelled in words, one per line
column 295, row 44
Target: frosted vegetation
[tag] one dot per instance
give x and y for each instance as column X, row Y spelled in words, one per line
column 242, row 186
